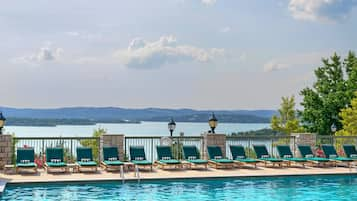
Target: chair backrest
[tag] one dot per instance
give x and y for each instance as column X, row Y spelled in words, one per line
column 25, row 154
column 163, row 151
column 284, row 150
column 260, row 151
column 305, row 150
column 137, row 152
column 329, row 150
column 54, row 153
column 237, row 151
column 214, row 151
column 110, row 152
column 349, row 150
column 190, row 151
column 84, row 152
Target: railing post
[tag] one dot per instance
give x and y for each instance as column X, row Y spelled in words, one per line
column 152, row 149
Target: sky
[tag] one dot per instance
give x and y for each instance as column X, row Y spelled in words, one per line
column 200, row 54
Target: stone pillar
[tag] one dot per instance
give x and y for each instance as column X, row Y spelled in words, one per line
column 113, row 140
column 5, row 150
column 213, row 139
column 303, row 139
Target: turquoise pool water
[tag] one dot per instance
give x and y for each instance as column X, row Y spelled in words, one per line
column 280, row 188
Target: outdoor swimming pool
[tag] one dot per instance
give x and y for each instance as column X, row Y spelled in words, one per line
column 268, row 188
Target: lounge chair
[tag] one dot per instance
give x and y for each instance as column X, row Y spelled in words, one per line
column 286, row 154
column 192, row 156
column 331, row 153
column 55, row 160
column 138, row 157
column 240, row 158
column 350, row 151
column 216, row 158
column 165, row 158
column 264, row 156
column 111, row 160
column 306, row 152
column 85, row 159
column 25, row 159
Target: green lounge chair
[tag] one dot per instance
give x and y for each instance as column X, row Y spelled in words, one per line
column 350, row 151
column 85, row 159
column 55, row 160
column 25, row 159
column 240, row 158
column 138, row 157
column 192, row 156
column 286, row 154
column 264, row 156
column 216, row 158
column 306, row 152
column 111, row 160
column 165, row 158
column 331, row 153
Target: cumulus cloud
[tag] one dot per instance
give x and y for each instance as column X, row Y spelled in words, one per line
column 209, row 2
column 277, row 64
column 147, row 54
column 321, row 10
column 44, row 54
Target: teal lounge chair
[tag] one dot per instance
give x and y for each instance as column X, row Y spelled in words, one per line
column 264, row 156
column 286, row 154
column 138, row 157
column 216, row 158
column 192, row 156
column 240, row 158
column 165, row 158
column 55, row 160
column 306, row 152
column 111, row 160
column 85, row 159
column 25, row 159
column 350, row 151
column 331, row 153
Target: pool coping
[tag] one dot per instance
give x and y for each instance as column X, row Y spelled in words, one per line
column 131, row 180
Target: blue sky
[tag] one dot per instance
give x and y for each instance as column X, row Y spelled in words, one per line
column 203, row 54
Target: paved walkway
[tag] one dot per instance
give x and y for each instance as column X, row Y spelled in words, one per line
column 101, row 175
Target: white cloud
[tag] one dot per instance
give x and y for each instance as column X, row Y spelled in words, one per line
column 321, row 10
column 83, row 35
column 146, row 54
column 296, row 60
column 44, row 54
column 209, row 2
column 225, row 29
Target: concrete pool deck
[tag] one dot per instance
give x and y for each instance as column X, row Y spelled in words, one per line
column 157, row 174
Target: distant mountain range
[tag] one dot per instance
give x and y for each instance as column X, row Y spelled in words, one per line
column 122, row 115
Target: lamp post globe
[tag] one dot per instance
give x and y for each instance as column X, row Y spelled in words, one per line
column 2, row 122
column 171, row 125
column 212, row 122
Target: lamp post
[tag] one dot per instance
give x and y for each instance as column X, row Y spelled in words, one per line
column 171, row 125
column 212, row 122
column 2, row 122
column 333, row 128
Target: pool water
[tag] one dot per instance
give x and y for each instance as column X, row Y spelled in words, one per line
column 278, row 188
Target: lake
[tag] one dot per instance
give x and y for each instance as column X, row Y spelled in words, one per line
column 142, row 129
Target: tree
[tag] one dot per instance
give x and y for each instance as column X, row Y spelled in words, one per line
column 287, row 121
column 94, row 143
column 349, row 119
column 333, row 90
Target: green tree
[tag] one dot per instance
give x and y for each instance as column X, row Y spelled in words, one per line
column 287, row 121
column 349, row 119
column 94, row 144
column 333, row 90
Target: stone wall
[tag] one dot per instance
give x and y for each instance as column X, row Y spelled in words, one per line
column 213, row 139
column 5, row 150
column 113, row 140
column 303, row 139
